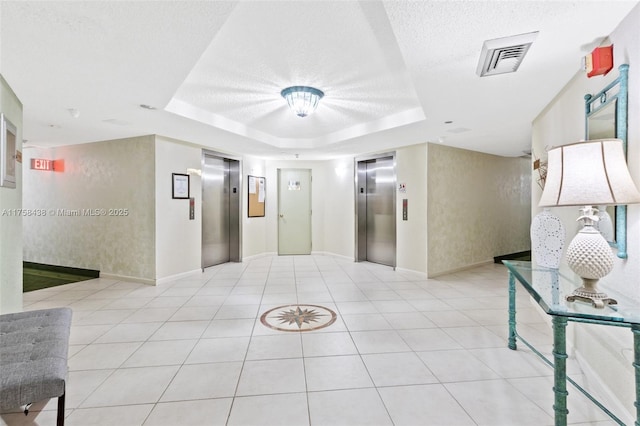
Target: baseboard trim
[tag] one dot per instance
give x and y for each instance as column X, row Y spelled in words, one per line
column 127, row 278
column 258, row 256
column 328, row 253
column 313, row 253
column 178, row 276
column 460, row 269
column 411, row 271
column 151, row 281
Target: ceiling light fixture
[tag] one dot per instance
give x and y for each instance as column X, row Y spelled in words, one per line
column 302, row 100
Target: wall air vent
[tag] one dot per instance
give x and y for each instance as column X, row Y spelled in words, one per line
column 504, row 55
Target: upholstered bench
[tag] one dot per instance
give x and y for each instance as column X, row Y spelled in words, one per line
column 33, row 358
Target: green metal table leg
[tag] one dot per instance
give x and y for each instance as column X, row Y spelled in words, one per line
column 512, row 312
column 560, row 370
column 635, row 328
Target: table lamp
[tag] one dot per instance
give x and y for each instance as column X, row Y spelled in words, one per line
column 587, row 174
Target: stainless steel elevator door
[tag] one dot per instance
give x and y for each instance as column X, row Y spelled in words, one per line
column 215, row 211
column 380, row 214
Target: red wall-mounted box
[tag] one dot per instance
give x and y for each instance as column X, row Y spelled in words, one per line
column 600, row 61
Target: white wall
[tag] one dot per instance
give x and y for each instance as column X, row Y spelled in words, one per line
column 337, row 187
column 10, row 223
column 478, row 207
column 254, row 229
column 606, row 351
column 110, row 175
column 331, row 202
column 178, row 248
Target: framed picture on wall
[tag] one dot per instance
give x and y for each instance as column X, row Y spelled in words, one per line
column 180, row 186
column 8, row 137
column 257, row 195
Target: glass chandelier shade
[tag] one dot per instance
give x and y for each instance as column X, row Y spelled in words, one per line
column 302, row 100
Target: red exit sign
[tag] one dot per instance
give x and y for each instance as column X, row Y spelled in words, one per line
column 47, row 165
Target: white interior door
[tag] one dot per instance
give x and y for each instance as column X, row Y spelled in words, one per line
column 294, row 211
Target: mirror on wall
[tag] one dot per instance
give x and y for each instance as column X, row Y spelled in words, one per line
column 606, row 117
column 601, row 124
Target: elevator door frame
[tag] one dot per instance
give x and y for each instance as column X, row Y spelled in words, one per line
column 361, row 216
column 235, row 205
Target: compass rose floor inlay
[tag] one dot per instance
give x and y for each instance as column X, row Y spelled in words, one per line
column 298, row 317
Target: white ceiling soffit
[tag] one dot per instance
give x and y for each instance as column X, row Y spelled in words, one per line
column 504, row 55
column 346, row 49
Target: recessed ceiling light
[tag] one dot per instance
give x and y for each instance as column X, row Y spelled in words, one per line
column 145, row 106
column 448, row 122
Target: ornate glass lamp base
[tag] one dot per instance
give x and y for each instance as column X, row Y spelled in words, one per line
column 590, row 294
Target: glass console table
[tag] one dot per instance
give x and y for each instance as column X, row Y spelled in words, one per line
column 549, row 288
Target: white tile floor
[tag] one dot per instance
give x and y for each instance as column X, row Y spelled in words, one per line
column 404, row 350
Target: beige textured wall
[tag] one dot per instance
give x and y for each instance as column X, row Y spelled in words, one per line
column 10, row 222
column 479, row 207
column 108, row 175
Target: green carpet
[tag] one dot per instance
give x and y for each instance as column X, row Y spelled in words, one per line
column 523, row 255
column 36, row 276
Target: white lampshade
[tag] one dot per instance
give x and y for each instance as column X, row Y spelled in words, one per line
column 588, row 173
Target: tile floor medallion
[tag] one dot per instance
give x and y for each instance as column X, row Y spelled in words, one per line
column 298, row 317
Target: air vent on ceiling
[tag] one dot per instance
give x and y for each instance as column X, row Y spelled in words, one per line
column 503, row 55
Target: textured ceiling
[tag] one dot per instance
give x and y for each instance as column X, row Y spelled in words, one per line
column 393, row 72
column 265, row 47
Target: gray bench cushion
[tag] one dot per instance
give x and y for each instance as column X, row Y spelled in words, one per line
column 33, row 356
